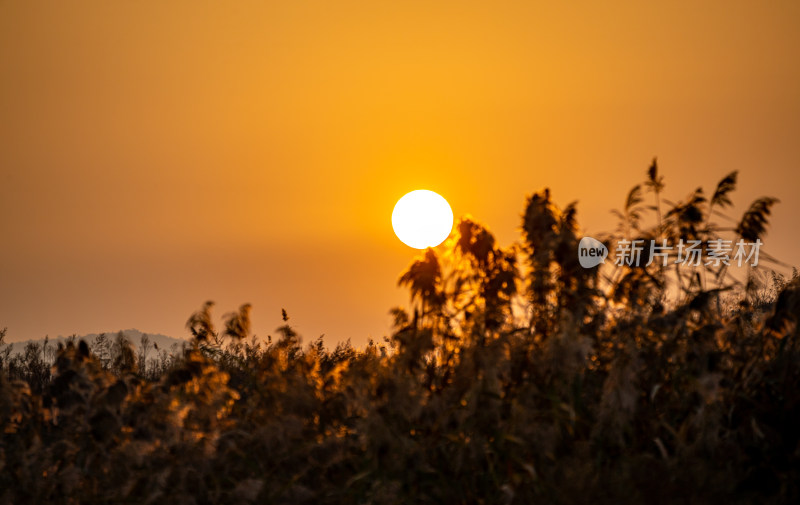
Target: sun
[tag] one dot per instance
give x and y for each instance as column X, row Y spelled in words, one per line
column 422, row 219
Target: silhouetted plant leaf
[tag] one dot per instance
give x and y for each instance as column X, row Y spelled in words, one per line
column 753, row 224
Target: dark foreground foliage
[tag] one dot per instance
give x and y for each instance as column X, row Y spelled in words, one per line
column 517, row 377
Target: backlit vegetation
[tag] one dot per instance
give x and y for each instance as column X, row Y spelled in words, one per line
column 515, row 376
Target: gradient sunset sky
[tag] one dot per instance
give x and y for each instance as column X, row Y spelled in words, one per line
column 155, row 155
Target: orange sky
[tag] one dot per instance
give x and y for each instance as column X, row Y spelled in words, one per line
column 154, row 155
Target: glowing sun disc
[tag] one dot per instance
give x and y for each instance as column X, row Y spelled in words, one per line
column 422, row 219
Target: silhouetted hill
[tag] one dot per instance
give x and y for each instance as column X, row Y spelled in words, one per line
column 163, row 342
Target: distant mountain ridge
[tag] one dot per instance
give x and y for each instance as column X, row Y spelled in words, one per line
column 133, row 335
